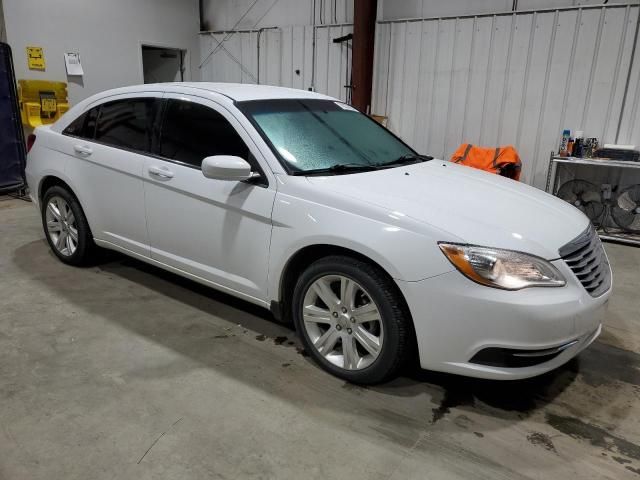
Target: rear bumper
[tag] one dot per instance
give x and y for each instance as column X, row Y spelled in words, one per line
column 458, row 321
column 33, row 187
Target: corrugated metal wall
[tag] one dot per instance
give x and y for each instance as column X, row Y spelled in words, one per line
column 285, row 58
column 508, row 79
column 629, row 132
column 517, row 78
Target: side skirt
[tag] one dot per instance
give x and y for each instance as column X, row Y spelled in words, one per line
column 182, row 273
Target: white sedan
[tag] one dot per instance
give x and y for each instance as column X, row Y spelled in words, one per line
column 297, row 202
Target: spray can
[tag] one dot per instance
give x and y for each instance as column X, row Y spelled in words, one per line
column 578, row 145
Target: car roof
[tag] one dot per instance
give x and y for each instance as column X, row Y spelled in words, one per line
column 234, row 91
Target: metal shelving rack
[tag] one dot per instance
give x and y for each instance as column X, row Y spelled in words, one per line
column 606, row 233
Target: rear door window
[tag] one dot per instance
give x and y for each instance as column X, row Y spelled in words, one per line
column 192, row 132
column 127, row 123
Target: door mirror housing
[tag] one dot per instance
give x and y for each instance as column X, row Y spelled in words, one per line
column 226, row 167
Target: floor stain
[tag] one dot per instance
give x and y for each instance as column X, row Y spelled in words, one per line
column 463, row 421
column 541, row 440
column 621, row 460
column 452, row 398
column 512, row 400
column 302, row 351
column 277, row 340
column 634, row 470
column 603, row 364
column 595, row 435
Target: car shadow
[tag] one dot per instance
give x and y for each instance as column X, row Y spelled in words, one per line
column 506, row 400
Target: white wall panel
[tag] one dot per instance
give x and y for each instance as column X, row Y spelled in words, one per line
column 252, row 14
column 3, row 31
column 333, row 11
column 286, row 58
column 108, row 36
column 630, row 121
column 403, row 9
column 516, row 78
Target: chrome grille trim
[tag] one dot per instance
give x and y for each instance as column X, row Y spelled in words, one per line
column 586, row 258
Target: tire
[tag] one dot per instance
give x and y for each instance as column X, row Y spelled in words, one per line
column 66, row 227
column 356, row 285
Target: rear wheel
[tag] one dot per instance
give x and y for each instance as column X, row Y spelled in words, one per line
column 66, row 227
column 351, row 319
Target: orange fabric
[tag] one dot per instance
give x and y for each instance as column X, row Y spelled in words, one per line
column 503, row 161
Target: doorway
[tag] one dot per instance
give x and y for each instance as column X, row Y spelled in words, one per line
column 161, row 64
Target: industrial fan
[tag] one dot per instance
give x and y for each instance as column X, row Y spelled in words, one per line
column 626, row 209
column 585, row 196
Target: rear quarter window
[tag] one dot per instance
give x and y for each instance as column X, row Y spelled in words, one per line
column 83, row 126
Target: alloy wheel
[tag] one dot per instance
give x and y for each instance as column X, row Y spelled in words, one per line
column 61, row 225
column 343, row 322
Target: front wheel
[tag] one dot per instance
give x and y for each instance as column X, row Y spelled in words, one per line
column 351, row 319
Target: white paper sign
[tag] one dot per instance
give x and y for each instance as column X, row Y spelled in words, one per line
column 72, row 62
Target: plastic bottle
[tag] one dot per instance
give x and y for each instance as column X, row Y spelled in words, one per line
column 566, row 134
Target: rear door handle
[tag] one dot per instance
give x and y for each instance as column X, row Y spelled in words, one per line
column 161, row 172
column 83, row 150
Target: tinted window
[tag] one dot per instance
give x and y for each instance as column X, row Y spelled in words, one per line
column 191, row 132
column 76, row 127
column 84, row 126
column 126, row 123
column 90, row 124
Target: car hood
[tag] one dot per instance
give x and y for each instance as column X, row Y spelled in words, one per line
column 478, row 207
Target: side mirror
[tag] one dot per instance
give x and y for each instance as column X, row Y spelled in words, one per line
column 226, row 167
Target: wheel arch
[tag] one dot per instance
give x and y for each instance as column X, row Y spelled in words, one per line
column 305, row 256
column 51, row 181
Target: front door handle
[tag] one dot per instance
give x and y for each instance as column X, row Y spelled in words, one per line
column 161, row 172
column 83, row 150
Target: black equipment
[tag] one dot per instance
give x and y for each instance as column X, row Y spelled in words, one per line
column 12, row 146
column 618, row 154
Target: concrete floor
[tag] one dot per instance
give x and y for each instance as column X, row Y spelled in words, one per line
column 124, row 371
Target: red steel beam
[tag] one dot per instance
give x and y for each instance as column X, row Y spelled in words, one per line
column 364, row 28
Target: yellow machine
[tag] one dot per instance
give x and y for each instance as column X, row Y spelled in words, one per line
column 41, row 101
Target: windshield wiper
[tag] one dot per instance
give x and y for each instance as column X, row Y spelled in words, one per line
column 404, row 159
column 359, row 167
column 339, row 168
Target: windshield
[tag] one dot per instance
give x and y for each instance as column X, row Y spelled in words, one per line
column 308, row 135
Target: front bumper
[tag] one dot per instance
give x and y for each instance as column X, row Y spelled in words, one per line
column 455, row 319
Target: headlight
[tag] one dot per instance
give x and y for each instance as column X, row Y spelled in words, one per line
column 504, row 269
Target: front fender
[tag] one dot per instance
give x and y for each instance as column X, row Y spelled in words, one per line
column 404, row 254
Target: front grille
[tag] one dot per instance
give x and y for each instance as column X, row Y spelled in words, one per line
column 586, row 258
